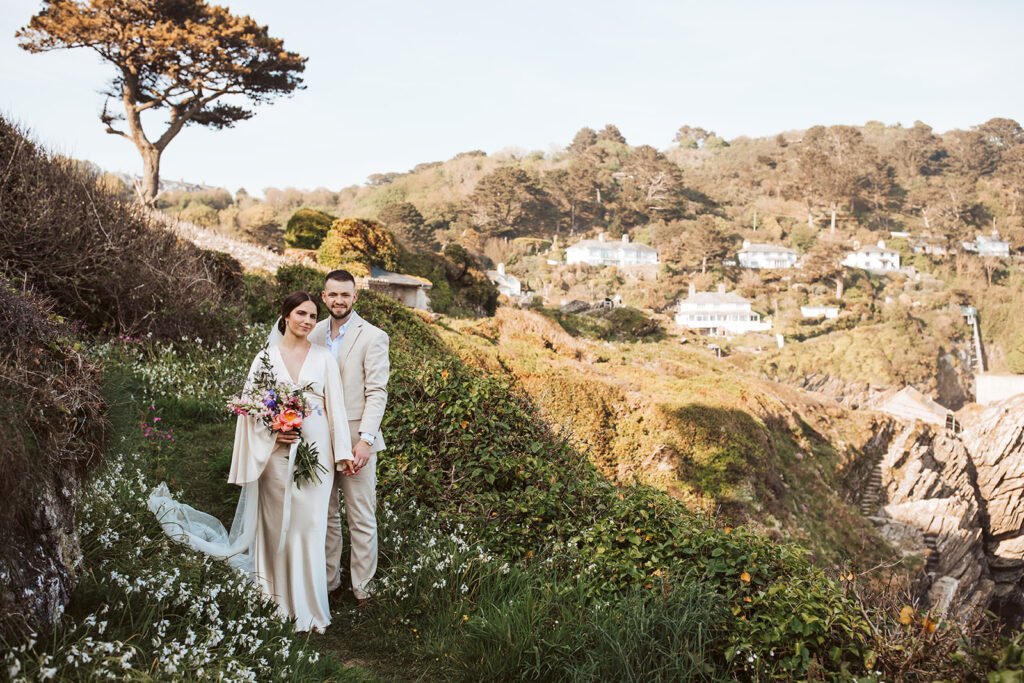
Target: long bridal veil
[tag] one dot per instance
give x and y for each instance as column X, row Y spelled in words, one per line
column 204, row 532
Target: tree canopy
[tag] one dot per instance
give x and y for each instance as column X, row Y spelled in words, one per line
column 197, row 63
column 361, row 240
column 508, row 201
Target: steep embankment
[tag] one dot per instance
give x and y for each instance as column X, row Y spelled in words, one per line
column 695, row 426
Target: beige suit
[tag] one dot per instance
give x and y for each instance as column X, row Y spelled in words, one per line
column 365, row 366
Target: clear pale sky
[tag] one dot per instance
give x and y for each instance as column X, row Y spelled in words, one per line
column 392, row 84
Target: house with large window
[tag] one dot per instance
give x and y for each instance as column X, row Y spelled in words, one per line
column 605, row 252
column 876, row 258
column 754, row 255
column 719, row 313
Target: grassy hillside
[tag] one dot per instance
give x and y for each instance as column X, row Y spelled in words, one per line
column 697, row 427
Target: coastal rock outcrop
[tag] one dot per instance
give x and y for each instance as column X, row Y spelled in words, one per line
column 995, row 440
column 963, row 491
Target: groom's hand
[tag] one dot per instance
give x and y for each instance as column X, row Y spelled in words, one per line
column 345, row 467
column 361, row 453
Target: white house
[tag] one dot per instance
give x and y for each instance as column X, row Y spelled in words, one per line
column 828, row 312
column 871, row 257
column 754, row 255
column 601, row 252
column 719, row 312
column 509, row 285
column 988, row 245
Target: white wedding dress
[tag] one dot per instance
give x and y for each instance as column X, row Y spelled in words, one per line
column 279, row 531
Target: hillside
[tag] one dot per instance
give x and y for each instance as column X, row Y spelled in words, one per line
column 818, row 191
column 523, row 533
column 679, row 419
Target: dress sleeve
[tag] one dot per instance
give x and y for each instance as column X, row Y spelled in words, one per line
column 337, row 417
column 253, row 444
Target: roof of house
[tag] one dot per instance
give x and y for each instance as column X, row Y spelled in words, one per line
column 381, row 275
column 875, row 249
column 911, row 404
column 770, row 248
column 715, row 298
column 598, row 244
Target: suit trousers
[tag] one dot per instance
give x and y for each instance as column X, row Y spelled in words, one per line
column 360, row 494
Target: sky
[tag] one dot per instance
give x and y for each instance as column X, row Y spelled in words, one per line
column 394, row 83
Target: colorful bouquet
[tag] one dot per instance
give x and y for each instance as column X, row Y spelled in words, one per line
column 281, row 407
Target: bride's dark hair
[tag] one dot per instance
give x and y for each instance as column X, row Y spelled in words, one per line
column 289, row 303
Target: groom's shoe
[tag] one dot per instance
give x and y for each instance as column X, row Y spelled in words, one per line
column 362, row 604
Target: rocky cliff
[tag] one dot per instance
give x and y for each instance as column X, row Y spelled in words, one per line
column 955, row 498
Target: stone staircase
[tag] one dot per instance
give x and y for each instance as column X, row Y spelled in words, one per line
column 872, row 494
column 931, row 542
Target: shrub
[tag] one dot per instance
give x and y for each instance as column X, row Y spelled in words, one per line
column 98, row 255
column 259, row 294
column 298, row 277
column 307, row 228
column 359, row 235
column 226, row 270
column 53, row 416
column 200, row 214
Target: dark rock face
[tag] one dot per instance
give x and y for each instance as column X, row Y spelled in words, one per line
column 53, row 416
column 964, row 492
column 38, row 564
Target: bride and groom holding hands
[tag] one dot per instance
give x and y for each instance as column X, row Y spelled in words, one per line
column 287, row 535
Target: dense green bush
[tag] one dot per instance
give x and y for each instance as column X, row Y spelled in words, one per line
column 259, row 294
column 298, row 277
column 460, row 287
column 307, row 228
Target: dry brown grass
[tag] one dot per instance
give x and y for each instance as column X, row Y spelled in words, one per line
column 99, row 256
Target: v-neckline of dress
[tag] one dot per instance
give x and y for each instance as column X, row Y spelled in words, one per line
column 301, row 366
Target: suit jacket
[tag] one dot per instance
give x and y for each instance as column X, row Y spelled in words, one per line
column 365, row 366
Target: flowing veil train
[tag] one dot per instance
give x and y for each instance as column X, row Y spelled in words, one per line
column 206, row 533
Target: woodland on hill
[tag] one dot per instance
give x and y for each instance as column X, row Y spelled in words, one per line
column 851, row 178
column 819, row 191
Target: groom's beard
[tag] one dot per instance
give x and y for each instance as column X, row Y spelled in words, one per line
column 341, row 316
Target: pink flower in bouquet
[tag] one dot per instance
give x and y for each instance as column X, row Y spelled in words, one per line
column 287, row 420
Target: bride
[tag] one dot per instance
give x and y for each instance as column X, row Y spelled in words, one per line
column 279, row 531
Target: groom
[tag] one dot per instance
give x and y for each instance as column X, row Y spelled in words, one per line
column 362, row 353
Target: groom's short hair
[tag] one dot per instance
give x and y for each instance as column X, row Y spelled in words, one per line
column 340, row 276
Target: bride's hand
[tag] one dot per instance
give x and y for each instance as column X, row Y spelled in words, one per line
column 346, row 467
column 287, row 438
